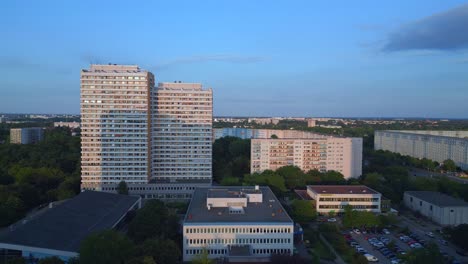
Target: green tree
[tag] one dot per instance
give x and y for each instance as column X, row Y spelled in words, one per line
column 274, row 136
column 427, row 255
column 293, row 176
column 458, row 235
column 449, row 165
column 149, row 222
column 303, row 211
column 51, row 260
column 122, row 188
column 202, row 258
column 104, row 247
column 161, row 251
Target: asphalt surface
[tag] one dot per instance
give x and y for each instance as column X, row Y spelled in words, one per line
column 424, row 173
column 421, row 227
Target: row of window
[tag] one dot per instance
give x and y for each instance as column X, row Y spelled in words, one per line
column 254, row 251
column 353, row 206
column 237, row 241
column 348, row 199
column 238, row 230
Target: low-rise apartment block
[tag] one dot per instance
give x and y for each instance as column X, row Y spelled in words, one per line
column 240, row 224
column 72, row 125
column 334, row 198
column 434, row 145
column 343, row 155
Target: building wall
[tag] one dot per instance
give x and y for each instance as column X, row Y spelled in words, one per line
column 115, row 121
column 263, row 238
column 28, row 135
column 434, row 145
column 340, row 154
column 369, row 202
column 182, row 116
column 441, row 215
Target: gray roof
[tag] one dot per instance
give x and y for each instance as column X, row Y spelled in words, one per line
column 270, row 210
column 64, row 226
column 437, row 198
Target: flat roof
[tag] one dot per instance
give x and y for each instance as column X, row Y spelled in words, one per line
column 270, row 210
column 65, row 225
column 437, row 198
column 341, row 189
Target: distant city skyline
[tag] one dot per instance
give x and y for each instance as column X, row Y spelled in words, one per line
column 262, row 58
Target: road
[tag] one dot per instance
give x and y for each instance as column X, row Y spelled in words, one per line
column 424, row 173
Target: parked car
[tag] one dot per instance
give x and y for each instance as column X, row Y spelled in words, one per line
column 430, row 234
column 385, row 231
column 357, row 231
column 371, row 258
column 443, row 242
column 331, row 220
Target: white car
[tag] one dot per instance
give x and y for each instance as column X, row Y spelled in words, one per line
column 331, row 220
column 371, row 258
column 430, row 234
column 356, row 231
column 385, row 231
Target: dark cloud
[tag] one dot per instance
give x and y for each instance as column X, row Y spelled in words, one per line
column 442, row 31
column 207, row 58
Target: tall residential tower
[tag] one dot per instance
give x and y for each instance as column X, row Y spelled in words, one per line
column 115, row 125
column 156, row 139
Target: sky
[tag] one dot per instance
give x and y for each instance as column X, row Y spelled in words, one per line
column 394, row 58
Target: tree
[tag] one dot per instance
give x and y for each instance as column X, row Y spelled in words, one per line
column 122, row 188
column 449, row 165
column 160, row 251
column 273, row 136
column 202, row 258
column 51, row 260
column 430, row 254
column 293, row 176
column 104, row 247
column 303, row 211
column 149, row 222
column 458, row 235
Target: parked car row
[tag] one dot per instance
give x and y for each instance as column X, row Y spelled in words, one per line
column 381, row 245
column 412, row 240
column 359, row 249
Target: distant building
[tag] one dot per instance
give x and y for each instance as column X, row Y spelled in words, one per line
column 434, row 145
column 67, row 124
column 311, row 123
column 240, row 224
column 29, row 135
column 343, row 155
column 246, row 133
column 59, row 229
column 440, row 208
column 334, row 198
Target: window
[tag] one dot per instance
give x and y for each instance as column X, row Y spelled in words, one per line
column 430, row 207
column 420, row 203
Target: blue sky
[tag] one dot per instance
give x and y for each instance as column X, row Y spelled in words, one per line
column 262, row 58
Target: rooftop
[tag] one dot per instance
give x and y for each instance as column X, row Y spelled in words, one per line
column 113, row 68
column 341, row 189
column 439, row 133
column 270, row 210
column 64, row 226
column 437, row 198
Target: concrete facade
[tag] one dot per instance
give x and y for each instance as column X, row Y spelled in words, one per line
column 440, row 208
column 434, row 145
column 237, row 224
column 29, row 135
column 333, row 198
column 343, row 155
column 156, row 139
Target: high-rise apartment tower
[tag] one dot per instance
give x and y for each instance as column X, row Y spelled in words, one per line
column 156, row 139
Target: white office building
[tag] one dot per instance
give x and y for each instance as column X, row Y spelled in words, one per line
column 334, row 198
column 434, row 145
column 237, row 224
column 440, row 208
